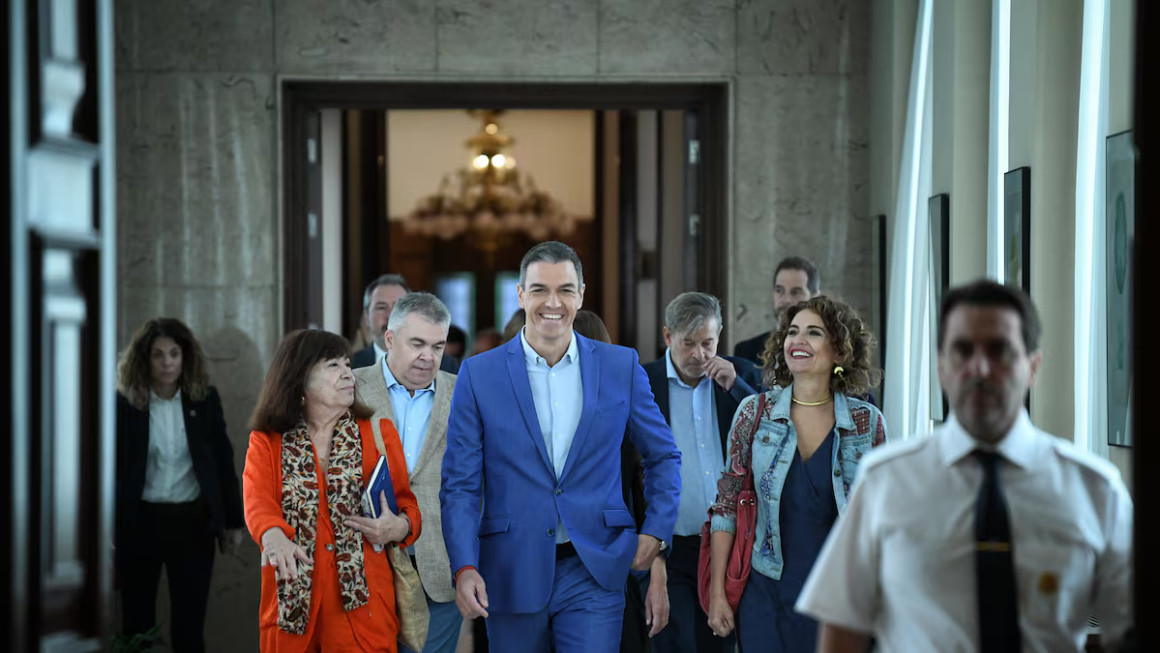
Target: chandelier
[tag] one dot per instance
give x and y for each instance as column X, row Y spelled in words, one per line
column 488, row 200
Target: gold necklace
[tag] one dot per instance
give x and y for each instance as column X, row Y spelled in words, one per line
column 812, row 403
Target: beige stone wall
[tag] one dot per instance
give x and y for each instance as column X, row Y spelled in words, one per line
column 197, row 150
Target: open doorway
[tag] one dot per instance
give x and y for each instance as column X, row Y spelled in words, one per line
column 640, row 170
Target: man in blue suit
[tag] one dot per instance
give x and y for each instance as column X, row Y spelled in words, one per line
column 537, row 532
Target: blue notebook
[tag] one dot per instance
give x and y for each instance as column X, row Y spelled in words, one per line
column 380, row 482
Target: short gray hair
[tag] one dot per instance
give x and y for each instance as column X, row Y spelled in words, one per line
column 424, row 304
column 384, row 280
column 690, row 310
column 552, row 251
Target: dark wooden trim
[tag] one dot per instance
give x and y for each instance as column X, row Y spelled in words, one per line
column 659, row 217
column 295, row 178
column 709, row 100
column 595, row 301
column 468, row 95
column 629, row 258
column 1145, row 359
column 9, row 623
column 714, row 130
column 351, row 264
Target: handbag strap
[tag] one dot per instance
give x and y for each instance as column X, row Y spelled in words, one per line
column 392, row 502
column 747, row 484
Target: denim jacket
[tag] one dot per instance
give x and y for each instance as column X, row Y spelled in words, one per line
column 860, row 427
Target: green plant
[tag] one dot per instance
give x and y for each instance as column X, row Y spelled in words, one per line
column 139, row 643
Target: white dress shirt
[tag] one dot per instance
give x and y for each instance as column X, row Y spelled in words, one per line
column 169, row 476
column 901, row 562
column 558, row 395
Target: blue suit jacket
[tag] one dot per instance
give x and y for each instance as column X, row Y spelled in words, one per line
column 500, row 495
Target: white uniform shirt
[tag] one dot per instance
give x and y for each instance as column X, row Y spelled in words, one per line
column 169, row 476
column 901, row 562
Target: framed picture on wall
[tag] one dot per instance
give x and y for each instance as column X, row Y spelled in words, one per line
column 1120, row 214
column 1017, row 228
column 939, row 209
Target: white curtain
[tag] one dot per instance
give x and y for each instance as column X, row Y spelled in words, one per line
column 906, row 395
column 1091, row 234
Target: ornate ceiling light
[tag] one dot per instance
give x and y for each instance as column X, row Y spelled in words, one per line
column 489, row 199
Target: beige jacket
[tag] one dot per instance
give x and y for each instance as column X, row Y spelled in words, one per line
column 430, row 551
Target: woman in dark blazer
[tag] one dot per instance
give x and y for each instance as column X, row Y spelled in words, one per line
column 176, row 488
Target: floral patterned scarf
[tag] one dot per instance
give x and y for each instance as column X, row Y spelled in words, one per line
column 300, row 509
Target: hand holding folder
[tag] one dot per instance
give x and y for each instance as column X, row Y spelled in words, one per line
column 382, row 524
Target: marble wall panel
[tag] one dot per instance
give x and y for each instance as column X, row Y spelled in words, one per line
column 358, row 36
column 201, row 35
column 668, row 36
column 801, row 187
column 503, row 37
column 799, row 37
column 195, row 179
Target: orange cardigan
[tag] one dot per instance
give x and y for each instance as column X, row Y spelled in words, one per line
column 375, row 624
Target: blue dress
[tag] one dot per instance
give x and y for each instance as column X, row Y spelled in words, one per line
column 766, row 620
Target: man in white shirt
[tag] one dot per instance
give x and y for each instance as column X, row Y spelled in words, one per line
column 990, row 535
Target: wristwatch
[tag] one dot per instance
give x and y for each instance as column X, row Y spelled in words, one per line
column 664, row 544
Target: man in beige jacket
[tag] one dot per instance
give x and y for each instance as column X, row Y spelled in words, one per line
column 407, row 387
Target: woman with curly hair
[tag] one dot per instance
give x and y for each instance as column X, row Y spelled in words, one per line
column 803, row 450
column 327, row 581
column 176, row 488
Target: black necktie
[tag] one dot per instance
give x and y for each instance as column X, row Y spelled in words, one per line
column 998, row 597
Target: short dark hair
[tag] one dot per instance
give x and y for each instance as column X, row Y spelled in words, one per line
column 552, row 251
column 589, row 325
column 813, row 280
column 986, row 292
column 280, row 401
column 383, row 280
column 456, row 335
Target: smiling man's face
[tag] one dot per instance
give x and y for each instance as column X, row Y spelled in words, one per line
column 551, row 295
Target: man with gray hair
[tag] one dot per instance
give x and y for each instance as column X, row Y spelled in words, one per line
column 410, row 390
column 698, row 392
column 379, row 299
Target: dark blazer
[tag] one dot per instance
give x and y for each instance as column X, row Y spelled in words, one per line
column 748, row 383
column 365, row 357
column 209, row 448
column 751, row 349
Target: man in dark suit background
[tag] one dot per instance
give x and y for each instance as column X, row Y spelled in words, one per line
column 698, row 392
column 795, row 280
column 378, row 301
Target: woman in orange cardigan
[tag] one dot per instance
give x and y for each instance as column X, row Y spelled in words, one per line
column 327, row 583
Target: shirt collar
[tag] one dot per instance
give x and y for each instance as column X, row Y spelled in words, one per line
column 392, row 382
column 671, row 371
column 379, row 353
column 1018, row 446
column 530, row 355
column 153, row 396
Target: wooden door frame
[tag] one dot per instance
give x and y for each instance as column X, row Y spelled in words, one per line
column 302, row 97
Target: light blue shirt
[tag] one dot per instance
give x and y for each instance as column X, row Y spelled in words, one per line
column 693, row 419
column 558, row 394
column 412, row 414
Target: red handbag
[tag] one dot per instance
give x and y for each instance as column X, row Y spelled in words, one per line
column 737, row 571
